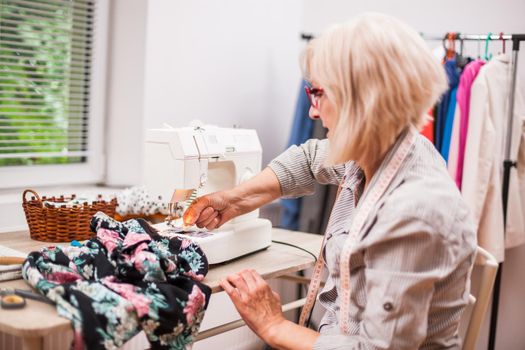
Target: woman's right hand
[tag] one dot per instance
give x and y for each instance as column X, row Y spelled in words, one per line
column 212, row 210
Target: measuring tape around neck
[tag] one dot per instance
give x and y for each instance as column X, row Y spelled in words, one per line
column 368, row 202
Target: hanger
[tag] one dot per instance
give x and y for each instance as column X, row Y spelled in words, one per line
column 479, row 47
column 449, row 43
column 445, row 47
column 502, row 41
column 461, row 61
column 488, row 55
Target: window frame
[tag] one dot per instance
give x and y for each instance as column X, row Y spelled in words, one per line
column 93, row 170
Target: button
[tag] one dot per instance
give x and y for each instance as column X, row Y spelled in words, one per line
column 388, row 306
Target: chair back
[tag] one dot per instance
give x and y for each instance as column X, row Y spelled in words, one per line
column 489, row 268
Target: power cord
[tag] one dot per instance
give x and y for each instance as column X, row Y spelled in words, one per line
column 294, row 246
column 315, row 259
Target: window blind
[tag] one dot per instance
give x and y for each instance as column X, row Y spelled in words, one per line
column 45, row 73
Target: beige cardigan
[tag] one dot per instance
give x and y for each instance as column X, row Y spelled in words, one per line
column 484, row 155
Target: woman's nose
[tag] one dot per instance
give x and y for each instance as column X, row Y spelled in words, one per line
column 313, row 113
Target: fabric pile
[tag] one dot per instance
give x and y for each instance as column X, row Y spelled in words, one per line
column 131, row 201
column 129, row 278
column 137, row 201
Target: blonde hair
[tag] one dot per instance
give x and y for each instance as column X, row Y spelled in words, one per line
column 381, row 77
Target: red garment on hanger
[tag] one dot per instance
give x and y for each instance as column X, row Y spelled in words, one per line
column 428, row 128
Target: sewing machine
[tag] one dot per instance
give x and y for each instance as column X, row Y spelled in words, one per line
column 188, row 162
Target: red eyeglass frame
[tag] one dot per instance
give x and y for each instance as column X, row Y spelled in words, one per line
column 314, row 95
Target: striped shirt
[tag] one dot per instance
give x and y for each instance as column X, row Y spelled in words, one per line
column 410, row 270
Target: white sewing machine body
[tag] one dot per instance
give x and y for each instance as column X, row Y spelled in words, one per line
column 209, row 159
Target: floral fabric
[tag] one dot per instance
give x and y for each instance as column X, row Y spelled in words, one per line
column 126, row 279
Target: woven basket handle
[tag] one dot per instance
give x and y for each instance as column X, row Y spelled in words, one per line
column 33, row 193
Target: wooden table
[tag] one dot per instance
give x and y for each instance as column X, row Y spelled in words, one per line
column 37, row 319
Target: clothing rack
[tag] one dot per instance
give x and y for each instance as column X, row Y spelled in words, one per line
column 508, row 163
column 459, row 36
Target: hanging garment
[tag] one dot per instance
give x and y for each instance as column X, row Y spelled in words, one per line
column 452, row 163
column 463, row 100
column 453, row 79
column 302, row 130
column 451, row 154
column 435, row 117
column 449, row 122
column 126, row 279
column 428, row 128
column 484, row 155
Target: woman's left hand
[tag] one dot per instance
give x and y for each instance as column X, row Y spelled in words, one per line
column 256, row 302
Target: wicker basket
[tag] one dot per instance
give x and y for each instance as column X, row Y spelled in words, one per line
column 62, row 224
column 154, row 218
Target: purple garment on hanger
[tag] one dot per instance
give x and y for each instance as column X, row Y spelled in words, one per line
column 463, row 100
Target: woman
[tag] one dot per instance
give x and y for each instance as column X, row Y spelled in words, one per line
column 409, row 260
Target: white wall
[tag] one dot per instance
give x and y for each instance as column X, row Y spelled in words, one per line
column 229, row 62
column 426, row 16
column 125, row 100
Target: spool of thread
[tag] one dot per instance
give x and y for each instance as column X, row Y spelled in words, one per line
column 13, row 301
column 76, row 243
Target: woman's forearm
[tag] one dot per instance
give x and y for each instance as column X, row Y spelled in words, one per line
column 290, row 336
column 257, row 191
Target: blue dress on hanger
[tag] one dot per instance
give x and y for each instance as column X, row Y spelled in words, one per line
column 452, row 71
column 302, row 129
